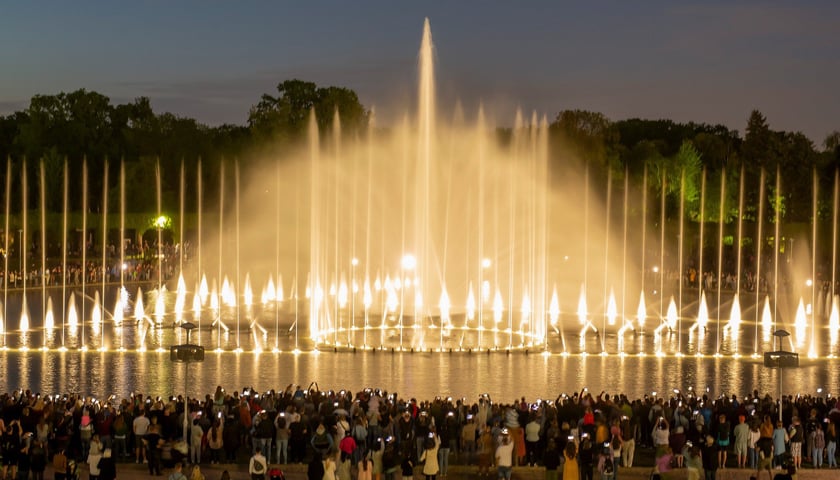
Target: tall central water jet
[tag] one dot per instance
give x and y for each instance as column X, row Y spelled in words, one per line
column 426, row 179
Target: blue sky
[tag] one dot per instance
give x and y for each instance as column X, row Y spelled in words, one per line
column 706, row 61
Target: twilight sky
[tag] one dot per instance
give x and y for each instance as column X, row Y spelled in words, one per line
column 707, row 61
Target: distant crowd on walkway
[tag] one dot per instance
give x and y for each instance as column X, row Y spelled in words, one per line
column 364, row 435
column 140, row 264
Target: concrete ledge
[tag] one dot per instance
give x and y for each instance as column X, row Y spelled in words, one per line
column 133, row 471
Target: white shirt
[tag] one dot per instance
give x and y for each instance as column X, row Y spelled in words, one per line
column 532, row 431
column 141, row 425
column 504, row 454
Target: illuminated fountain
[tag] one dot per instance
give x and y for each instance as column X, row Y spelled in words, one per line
column 433, row 235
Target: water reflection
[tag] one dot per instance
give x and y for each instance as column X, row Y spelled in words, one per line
column 419, row 374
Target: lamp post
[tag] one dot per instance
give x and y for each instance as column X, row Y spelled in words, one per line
column 780, row 359
column 185, row 354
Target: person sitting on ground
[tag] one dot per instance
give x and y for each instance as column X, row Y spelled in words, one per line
column 790, row 474
column 177, row 472
column 257, row 466
column 196, row 474
column 107, row 466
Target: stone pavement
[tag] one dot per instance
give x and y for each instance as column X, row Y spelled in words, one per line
column 239, row 471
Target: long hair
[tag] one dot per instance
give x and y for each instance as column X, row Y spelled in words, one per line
column 571, row 450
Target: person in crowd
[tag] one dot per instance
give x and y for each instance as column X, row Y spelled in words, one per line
column 503, row 456
column 629, row 429
column 177, row 472
column 24, row 460
column 724, row 431
column 215, row 441
column 43, row 432
column 196, row 474
column 315, row 468
column 37, row 460
column 59, row 464
column 663, row 462
column 817, row 446
column 140, row 426
column 469, row 434
column 752, row 451
column 708, row 450
column 196, row 441
column 364, row 468
column 329, row 464
column 796, row 434
column 570, row 465
column 551, row 460
column 31, row 421
column 429, row 457
column 121, row 431
column 693, row 461
column 107, row 465
column 281, row 438
column 677, row 443
column 764, row 447
column 788, row 474
column 322, row 440
column 257, row 466
column 95, row 454
column 445, row 433
column 780, row 439
column 231, row 438
column 10, row 443
column 661, row 435
column 153, row 439
column 407, row 466
column 485, row 451
column 831, row 445
column 741, row 432
column 533, row 429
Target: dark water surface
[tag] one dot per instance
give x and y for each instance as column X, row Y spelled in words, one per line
column 421, row 375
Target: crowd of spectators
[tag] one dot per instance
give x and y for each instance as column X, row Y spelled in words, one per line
column 139, row 264
column 353, row 431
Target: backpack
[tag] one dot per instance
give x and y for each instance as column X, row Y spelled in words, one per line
column 321, row 441
column 258, row 466
column 360, row 434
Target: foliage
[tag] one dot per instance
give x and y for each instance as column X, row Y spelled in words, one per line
column 85, row 127
column 285, row 117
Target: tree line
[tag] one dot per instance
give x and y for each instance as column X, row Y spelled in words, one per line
column 85, row 126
